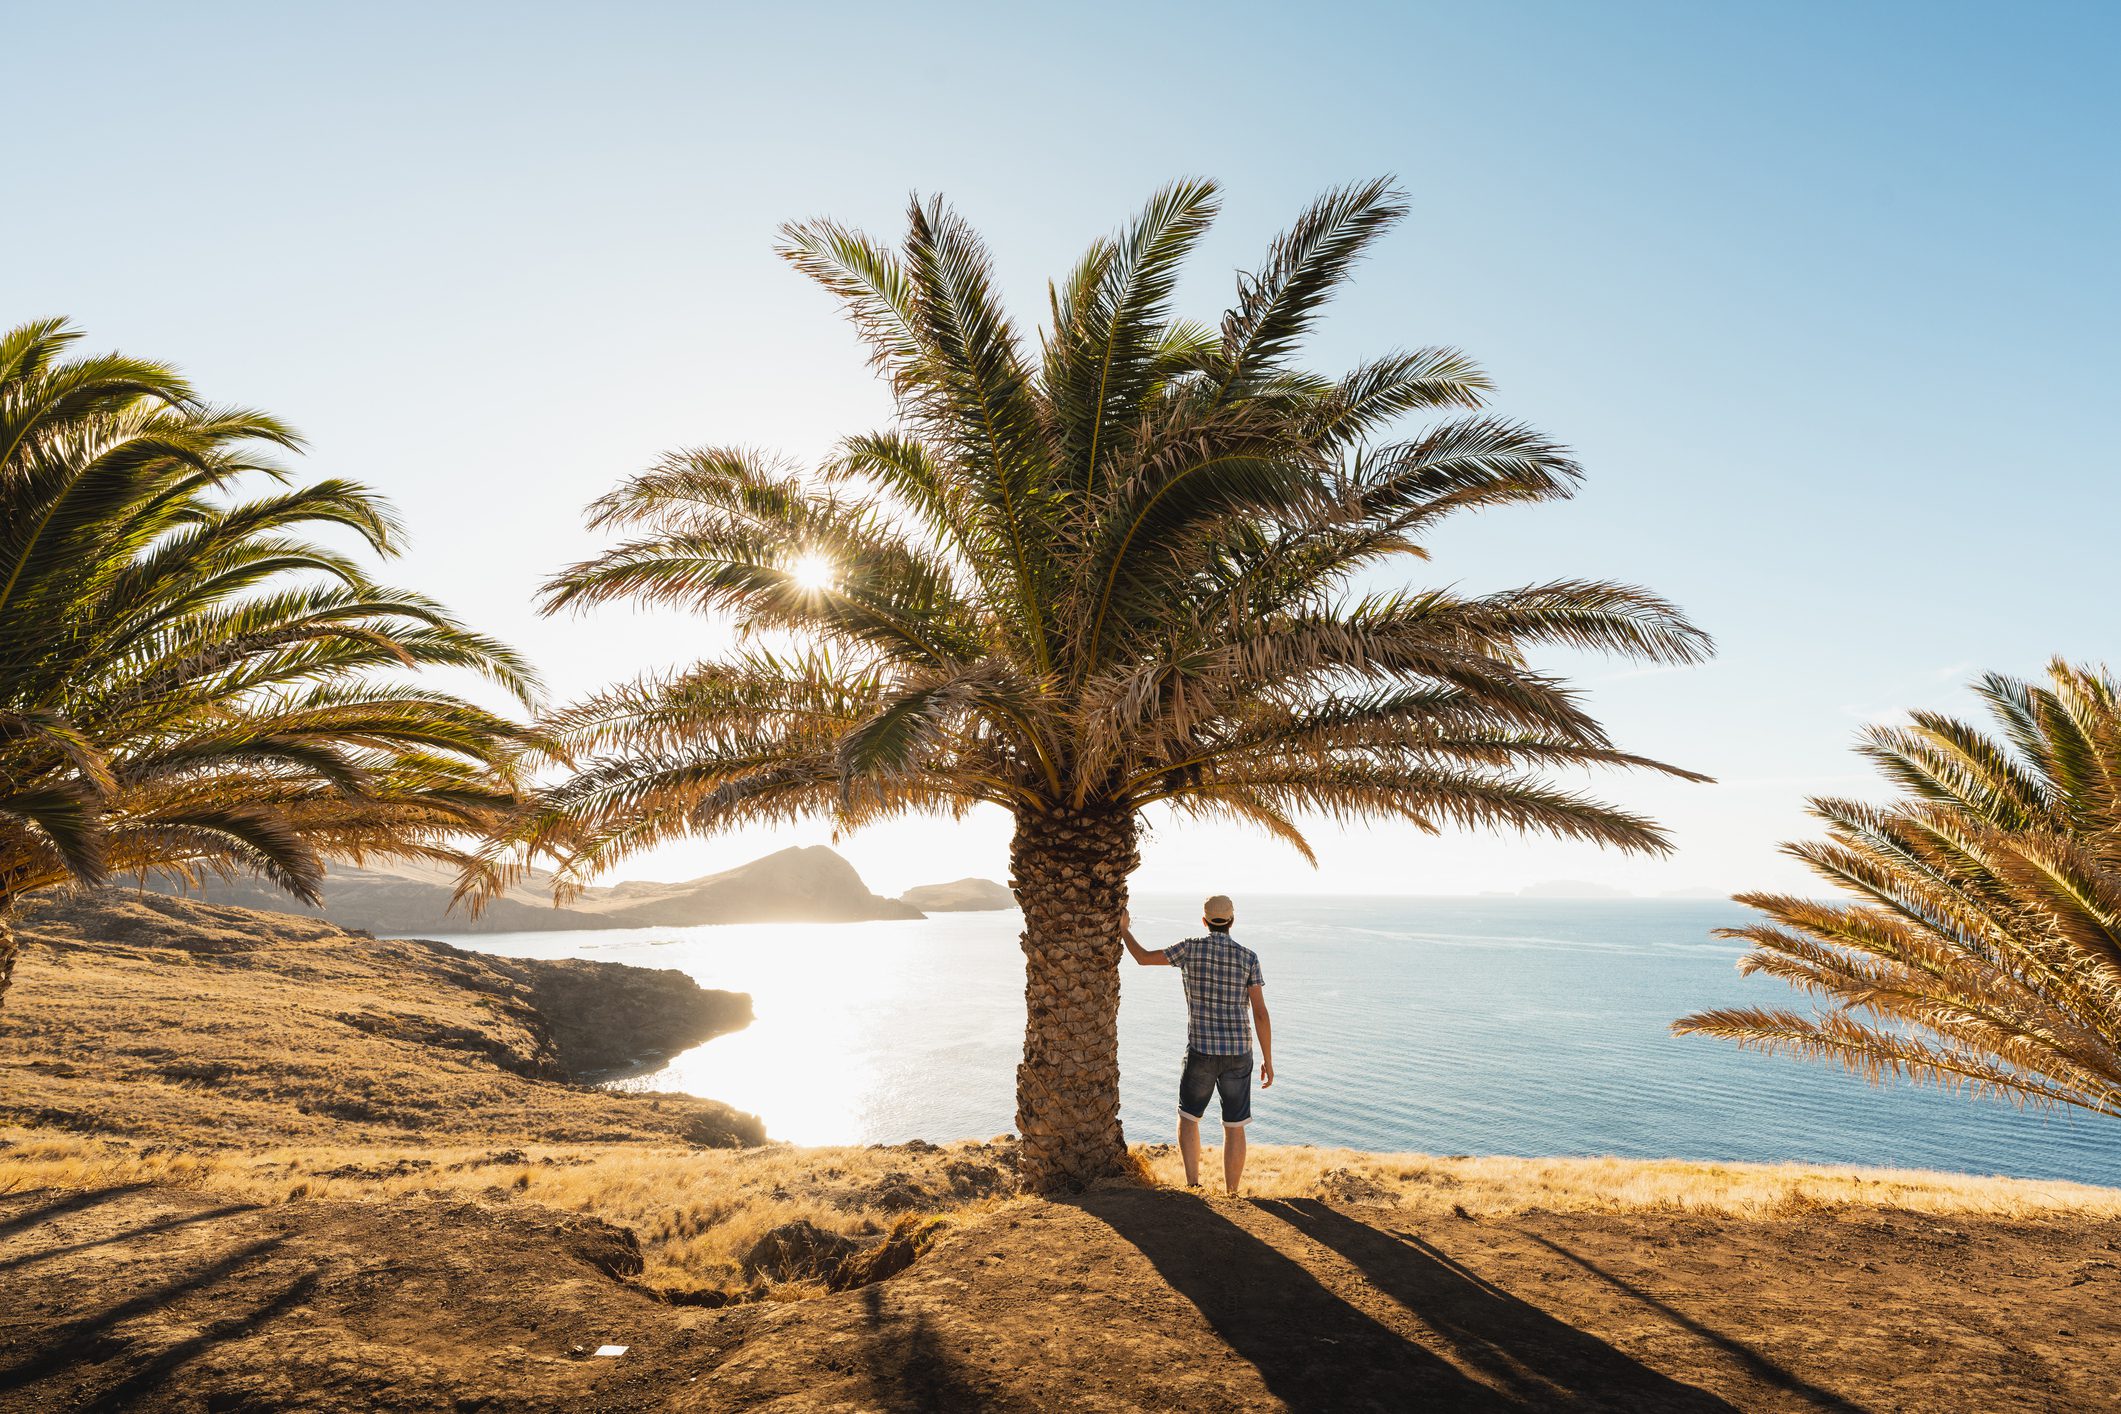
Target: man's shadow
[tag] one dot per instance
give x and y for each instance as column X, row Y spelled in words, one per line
column 1316, row 1352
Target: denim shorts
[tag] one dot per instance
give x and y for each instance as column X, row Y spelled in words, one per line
column 1205, row 1073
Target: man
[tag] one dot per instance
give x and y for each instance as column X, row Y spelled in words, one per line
column 1222, row 985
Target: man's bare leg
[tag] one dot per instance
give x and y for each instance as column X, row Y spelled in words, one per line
column 1189, row 1148
column 1233, row 1154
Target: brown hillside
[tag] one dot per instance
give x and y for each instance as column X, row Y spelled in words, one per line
column 157, row 1017
column 161, row 1299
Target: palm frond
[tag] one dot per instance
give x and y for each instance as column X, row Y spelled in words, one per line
column 1111, row 334
column 1277, row 305
column 1984, row 936
column 188, row 682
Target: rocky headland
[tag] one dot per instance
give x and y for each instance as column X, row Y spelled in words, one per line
column 960, row 896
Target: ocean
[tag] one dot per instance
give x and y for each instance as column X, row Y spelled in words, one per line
column 1447, row 1026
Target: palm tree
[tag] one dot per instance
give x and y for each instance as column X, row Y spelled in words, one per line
column 1117, row 571
column 1982, row 950
column 186, row 683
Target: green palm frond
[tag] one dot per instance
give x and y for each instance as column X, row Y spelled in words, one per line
column 188, row 682
column 1277, row 305
column 1112, row 341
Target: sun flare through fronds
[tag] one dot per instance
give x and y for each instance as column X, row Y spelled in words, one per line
column 813, row 571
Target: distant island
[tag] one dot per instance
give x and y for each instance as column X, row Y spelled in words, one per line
column 960, row 896
column 810, row 884
column 1584, row 889
column 1560, row 888
column 1571, row 888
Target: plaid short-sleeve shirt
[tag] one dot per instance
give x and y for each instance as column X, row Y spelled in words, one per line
column 1219, row 972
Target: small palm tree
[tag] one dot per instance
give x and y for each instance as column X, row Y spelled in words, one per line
column 1983, row 948
column 185, row 682
column 1115, row 571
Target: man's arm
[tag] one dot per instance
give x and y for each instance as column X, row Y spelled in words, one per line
column 1265, row 1028
column 1135, row 950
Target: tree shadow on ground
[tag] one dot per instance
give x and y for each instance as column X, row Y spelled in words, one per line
column 92, row 1338
column 1536, row 1360
column 1759, row 1366
column 1313, row 1350
column 69, row 1201
column 910, row 1370
column 147, row 1229
column 151, row 1373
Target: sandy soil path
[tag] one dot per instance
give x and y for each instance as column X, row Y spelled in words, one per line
column 157, row 1298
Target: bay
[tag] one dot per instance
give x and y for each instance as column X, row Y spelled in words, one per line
column 1448, row 1026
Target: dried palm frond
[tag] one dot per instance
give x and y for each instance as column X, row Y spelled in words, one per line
column 1982, row 948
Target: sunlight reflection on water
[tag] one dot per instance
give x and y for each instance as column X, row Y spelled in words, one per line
column 862, row 1029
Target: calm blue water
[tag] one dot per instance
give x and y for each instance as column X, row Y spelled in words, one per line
column 1451, row 1026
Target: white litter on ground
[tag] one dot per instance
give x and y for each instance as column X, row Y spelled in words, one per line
column 611, row 1350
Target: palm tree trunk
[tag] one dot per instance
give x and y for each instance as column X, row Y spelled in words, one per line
column 1070, row 875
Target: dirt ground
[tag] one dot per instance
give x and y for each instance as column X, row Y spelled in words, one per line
column 157, row 1298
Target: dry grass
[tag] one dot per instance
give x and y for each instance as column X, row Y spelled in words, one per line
column 695, row 1211
column 163, row 1021
column 1484, row 1187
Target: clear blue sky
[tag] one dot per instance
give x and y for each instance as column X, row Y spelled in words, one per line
column 1824, row 294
